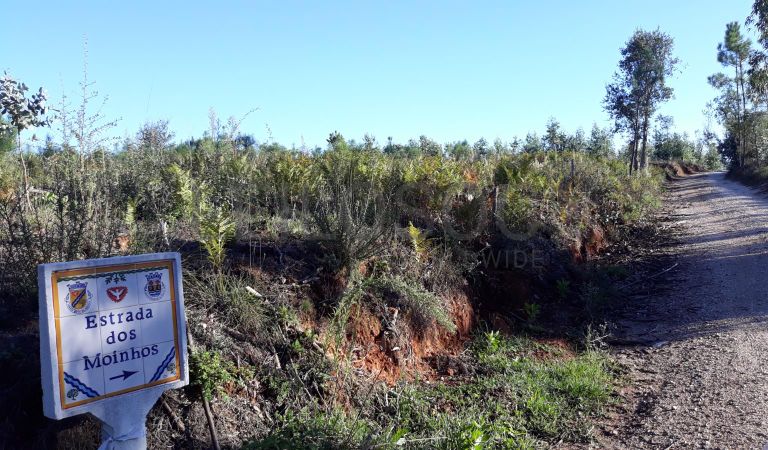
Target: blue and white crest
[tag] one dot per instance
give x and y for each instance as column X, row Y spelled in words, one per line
column 155, row 287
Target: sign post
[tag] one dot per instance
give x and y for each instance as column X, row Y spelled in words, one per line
column 112, row 339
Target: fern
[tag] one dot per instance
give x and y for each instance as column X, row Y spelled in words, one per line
column 130, row 214
column 419, row 242
column 216, row 229
column 182, row 195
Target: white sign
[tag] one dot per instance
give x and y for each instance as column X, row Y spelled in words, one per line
column 112, row 334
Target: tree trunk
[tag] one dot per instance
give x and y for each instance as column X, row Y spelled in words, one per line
column 740, row 113
column 637, row 136
column 644, row 155
column 635, row 144
column 28, row 205
column 633, row 155
column 743, row 99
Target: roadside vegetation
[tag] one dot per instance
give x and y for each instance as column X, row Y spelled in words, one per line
column 519, row 394
column 361, row 295
column 740, row 107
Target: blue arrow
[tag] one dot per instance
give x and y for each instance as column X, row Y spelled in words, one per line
column 124, row 375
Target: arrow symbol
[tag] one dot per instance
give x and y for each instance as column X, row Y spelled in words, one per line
column 124, row 375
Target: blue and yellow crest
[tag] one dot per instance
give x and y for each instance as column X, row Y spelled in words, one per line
column 79, row 298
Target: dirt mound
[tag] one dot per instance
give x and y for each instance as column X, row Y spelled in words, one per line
column 678, row 169
column 592, row 243
column 385, row 345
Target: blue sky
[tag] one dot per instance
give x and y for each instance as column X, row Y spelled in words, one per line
column 449, row 70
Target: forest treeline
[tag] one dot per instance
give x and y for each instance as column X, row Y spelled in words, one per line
column 740, row 107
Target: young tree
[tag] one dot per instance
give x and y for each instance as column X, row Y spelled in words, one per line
column 532, row 143
column 459, row 150
column 155, row 136
column 600, row 142
column 515, row 145
column 429, row 147
column 499, row 147
column 576, row 142
column 639, row 88
column 669, row 145
column 481, row 148
column 336, row 141
column 554, row 138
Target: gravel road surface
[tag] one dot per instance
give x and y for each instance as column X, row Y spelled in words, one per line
column 698, row 366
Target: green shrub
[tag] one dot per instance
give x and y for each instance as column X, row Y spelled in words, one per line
column 353, row 203
column 209, row 372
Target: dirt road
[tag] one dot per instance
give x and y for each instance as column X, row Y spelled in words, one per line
column 700, row 373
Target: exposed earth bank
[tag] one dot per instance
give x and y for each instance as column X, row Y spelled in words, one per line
column 696, row 337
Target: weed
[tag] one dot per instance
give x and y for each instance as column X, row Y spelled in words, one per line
column 532, row 311
column 423, row 307
column 563, row 287
column 227, row 295
column 594, row 298
column 209, row 372
column 617, row 272
column 492, row 342
column 310, row 429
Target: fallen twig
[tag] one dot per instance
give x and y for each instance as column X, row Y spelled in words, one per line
column 206, row 405
column 650, row 277
column 209, row 417
column 174, row 418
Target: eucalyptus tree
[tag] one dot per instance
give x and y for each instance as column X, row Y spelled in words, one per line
column 22, row 113
column 624, row 110
column 639, row 88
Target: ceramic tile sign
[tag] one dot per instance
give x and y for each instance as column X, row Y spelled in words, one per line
column 111, row 331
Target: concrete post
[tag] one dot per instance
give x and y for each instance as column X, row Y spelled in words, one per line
column 125, row 428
